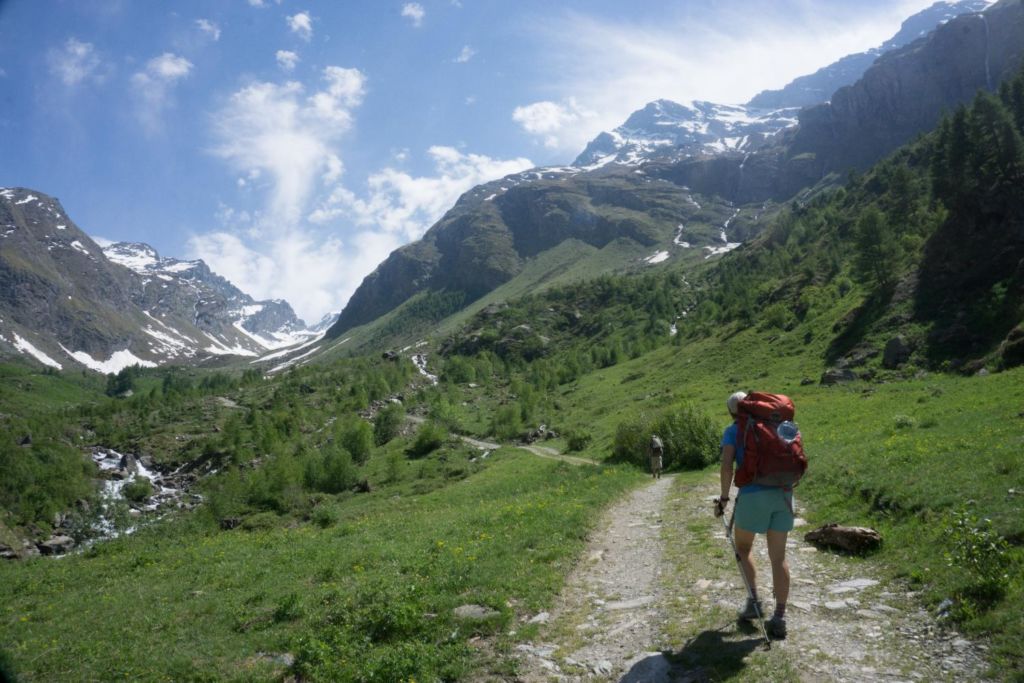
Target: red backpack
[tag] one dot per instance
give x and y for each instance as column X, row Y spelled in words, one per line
column 768, row 458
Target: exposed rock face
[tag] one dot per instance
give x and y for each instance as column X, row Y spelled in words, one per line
column 818, row 87
column 64, row 300
column 896, row 353
column 906, row 91
column 55, row 280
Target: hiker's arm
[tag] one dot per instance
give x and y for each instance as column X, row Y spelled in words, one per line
column 728, row 455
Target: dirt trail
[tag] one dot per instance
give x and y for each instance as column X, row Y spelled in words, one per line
column 653, row 600
column 540, row 451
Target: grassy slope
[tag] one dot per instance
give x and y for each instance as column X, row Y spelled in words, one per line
column 570, row 261
column 183, row 602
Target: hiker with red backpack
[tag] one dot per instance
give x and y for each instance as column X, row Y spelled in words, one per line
column 762, row 451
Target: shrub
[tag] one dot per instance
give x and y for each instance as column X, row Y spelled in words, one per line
column 983, row 557
column 507, row 422
column 904, row 422
column 325, row 515
column 393, row 466
column 458, row 370
column 330, row 472
column 577, row 441
column 429, row 438
column 388, row 423
column 261, row 521
column 138, row 490
column 689, row 436
column 357, row 438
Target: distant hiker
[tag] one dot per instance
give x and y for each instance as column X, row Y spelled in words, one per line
column 762, row 430
column 656, row 449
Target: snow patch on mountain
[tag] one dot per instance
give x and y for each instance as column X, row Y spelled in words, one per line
column 25, row 347
column 118, row 361
column 667, row 130
column 220, row 348
column 658, row 257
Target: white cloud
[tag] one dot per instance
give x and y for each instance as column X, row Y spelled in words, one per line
column 406, row 206
column 414, row 12
column 208, row 27
column 315, row 273
column 301, row 24
column 550, row 120
column 75, row 62
column 465, row 54
column 286, row 59
column 315, row 239
column 280, row 130
column 153, row 85
column 615, row 67
column 3, row 72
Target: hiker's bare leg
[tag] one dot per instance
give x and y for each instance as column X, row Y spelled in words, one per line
column 780, row 567
column 744, row 542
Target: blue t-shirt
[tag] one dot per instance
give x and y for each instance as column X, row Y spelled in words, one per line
column 730, row 437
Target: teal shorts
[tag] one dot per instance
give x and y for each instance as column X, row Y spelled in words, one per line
column 759, row 511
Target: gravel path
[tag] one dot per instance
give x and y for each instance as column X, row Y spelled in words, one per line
column 609, row 614
column 653, row 600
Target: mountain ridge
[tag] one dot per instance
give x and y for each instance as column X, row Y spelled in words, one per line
column 64, row 298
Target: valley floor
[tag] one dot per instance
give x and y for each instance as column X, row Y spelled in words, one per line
column 654, row 596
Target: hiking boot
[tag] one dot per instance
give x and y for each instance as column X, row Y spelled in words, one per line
column 776, row 628
column 751, row 611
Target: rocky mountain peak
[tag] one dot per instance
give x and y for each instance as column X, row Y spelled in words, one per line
column 64, row 300
column 668, row 131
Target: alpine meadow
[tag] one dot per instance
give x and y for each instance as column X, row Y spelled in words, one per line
column 448, row 476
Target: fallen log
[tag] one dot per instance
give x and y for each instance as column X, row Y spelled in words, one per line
column 852, row 539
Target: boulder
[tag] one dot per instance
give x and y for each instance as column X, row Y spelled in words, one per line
column 1012, row 348
column 56, row 545
column 896, row 353
column 858, row 357
column 128, row 463
column 836, row 375
column 852, row 539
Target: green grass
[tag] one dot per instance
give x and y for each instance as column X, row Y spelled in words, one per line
column 28, row 390
column 369, row 594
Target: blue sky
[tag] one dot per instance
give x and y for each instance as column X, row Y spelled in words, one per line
column 293, row 145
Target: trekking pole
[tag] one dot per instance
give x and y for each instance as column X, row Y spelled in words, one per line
column 746, row 581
